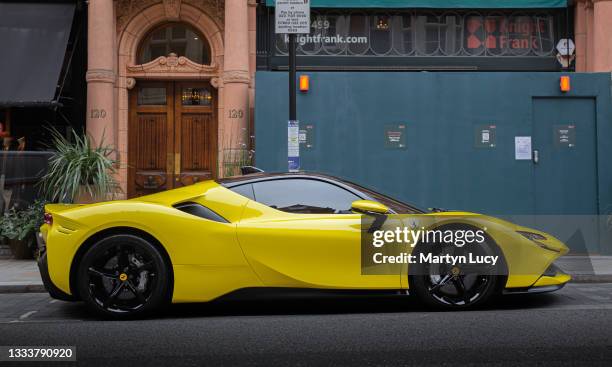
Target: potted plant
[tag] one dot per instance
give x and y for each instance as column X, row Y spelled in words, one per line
column 79, row 171
column 18, row 228
column 235, row 155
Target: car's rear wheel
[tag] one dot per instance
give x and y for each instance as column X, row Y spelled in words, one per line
column 123, row 276
column 458, row 286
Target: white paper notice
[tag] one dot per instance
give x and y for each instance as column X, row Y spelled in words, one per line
column 292, row 16
column 522, row 147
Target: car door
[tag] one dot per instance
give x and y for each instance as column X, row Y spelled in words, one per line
column 300, row 232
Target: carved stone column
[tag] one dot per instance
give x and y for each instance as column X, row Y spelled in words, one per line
column 580, row 35
column 100, row 71
column 602, row 29
column 233, row 132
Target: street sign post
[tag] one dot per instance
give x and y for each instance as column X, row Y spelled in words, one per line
column 292, row 17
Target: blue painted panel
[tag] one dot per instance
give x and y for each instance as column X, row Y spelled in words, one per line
column 441, row 166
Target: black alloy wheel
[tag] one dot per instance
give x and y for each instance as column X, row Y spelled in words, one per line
column 458, row 286
column 123, row 276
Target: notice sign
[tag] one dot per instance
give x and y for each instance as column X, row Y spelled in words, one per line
column 293, row 145
column 565, row 136
column 292, row 16
column 395, row 136
column 484, row 136
column 307, row 136
column 522, row 147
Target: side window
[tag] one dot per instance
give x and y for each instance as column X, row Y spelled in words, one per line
column 244, row 190
column 304, row 196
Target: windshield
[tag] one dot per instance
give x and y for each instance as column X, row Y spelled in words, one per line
column 397, row 206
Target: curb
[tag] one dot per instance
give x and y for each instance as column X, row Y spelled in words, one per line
column 590, row 278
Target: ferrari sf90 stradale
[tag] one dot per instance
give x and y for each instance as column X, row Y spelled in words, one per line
column 197, row 243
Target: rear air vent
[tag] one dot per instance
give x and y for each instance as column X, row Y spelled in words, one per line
column 201, row 211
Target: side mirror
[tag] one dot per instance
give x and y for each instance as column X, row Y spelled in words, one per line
column 369, row 207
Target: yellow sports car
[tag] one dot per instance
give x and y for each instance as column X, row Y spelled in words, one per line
column 290, row 230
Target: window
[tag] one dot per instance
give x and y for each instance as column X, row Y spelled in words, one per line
column 396, row 206
column 154, row 95
column 176, row 38
column 244, row 190
column 428, row 33
column 304, row 196
column 200, row 211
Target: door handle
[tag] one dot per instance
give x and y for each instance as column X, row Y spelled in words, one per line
column 536, row 156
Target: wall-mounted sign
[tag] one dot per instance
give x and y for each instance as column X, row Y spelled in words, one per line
column 306, row 136
column 484, row 136
column 292, row 16
column 293, row 145
column 522, row 147
column 565, row 136
column 566, row 46
column 395, row 136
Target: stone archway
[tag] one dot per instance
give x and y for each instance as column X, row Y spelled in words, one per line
column 172, row 67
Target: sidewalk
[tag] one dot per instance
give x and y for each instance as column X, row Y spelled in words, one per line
column 587, row 269
column 22, row 276
column 19, row 276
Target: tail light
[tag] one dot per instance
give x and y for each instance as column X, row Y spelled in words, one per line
column 48, row 219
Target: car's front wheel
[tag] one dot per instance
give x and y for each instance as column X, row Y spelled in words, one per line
column 457, row 286
column 123, row 276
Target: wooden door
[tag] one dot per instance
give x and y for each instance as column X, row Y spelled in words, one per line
column 172, row 136
column 195, row 133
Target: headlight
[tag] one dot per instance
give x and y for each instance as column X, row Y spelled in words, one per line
column 532, row 236
column 536, row 238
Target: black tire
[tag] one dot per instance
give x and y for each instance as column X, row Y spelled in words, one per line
column 457, row 287
column 123, row 276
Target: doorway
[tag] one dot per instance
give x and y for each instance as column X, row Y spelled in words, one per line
column 172, row 136
column 565, row 170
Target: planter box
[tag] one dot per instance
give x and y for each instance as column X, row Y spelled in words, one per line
column 21, row 249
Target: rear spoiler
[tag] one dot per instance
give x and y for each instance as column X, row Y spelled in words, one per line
column 57, row 208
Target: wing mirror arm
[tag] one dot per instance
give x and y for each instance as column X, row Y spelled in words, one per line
column 377, row 210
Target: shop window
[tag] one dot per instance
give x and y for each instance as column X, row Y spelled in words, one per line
column 430, row 33
column 176, row 38
column 380, row 34
column 358, row 29
column 403, row 35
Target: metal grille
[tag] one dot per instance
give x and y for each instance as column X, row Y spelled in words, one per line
column 427, row 34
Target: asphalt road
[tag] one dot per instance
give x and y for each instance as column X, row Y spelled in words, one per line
column 570, row 327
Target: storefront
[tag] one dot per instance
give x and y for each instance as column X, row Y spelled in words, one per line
column 422, row 35
column 434, row 99
column 42, row 87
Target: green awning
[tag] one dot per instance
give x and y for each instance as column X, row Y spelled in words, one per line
column 446, row 4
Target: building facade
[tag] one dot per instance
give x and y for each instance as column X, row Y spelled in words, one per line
column 170, row 84
column 592, row 29
column 453, row 104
